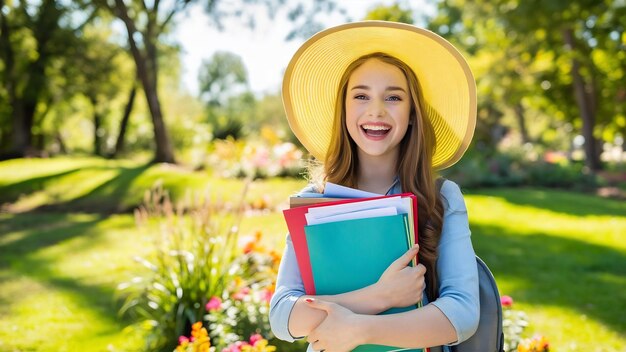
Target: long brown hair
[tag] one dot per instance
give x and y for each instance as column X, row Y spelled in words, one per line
column 414, row 166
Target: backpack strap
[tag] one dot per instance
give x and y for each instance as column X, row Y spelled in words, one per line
column 488, row 336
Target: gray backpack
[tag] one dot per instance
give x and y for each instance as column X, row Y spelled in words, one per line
column 489, row 336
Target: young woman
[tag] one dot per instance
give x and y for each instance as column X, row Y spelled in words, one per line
column 384, row 105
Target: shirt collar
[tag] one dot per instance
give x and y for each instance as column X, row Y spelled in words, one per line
column 395, row 187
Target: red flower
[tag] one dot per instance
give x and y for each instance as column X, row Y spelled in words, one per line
column 182, row 339
column 506, row 301
column 255, row 338
column 249, row 247
column 215, row 303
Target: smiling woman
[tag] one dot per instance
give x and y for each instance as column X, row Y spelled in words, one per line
column 380, row 129
column 377, row 110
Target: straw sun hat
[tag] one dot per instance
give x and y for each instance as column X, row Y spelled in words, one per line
column 311, row 82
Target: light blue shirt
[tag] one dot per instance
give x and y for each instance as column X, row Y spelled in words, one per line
column 456, row 268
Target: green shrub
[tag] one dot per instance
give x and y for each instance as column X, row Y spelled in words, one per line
column 195, row 250
column 570, row 175
column 513, row 168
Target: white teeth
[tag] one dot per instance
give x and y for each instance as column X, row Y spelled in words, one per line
column 376, row 127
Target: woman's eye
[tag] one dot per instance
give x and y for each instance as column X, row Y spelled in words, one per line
column 360, row 97
column 394, row 98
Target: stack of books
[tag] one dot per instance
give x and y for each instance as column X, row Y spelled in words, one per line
column 344, row 243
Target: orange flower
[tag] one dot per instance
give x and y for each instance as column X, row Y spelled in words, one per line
column 254, row 245
column 276, row 257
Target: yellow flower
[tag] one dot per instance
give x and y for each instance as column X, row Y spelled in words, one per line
column 202, row 345
column 259, row 346
column 238, row 281
column 536, row 344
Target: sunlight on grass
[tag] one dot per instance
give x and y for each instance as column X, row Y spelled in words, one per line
column 276, row 190
column 99, row 185
column 563, row 259
column 560, row 255
column 68, row 287
column 61, row 323
column 597, row 229
column 17, row 170
column 64, row 189
column 272, row 227
column 574, row 332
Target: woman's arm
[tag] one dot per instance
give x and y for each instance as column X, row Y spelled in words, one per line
column 399, row 286
column 456, row 267
column 343, row 330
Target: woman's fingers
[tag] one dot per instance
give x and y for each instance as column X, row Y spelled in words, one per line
column 405, row 259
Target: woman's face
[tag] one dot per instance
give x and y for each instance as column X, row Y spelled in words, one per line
column 378, row 105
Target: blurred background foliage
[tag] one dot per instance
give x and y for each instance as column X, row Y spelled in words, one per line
column 103, row 78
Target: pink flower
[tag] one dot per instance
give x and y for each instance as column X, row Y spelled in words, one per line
column 241, row 294
column 235, row 347
column 266, row 295
column 255, row 338
column 183, row 339
column 215, row 303
column 506, row 301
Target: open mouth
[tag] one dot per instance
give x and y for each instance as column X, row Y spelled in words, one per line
column 376, row 130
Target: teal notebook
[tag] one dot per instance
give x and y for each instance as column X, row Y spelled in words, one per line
column 349, row 255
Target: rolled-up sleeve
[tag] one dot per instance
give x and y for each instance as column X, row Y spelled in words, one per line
column 289, row 287
column 456, row 266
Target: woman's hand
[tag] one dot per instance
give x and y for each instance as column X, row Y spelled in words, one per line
column 339, row 332
column 402, row 285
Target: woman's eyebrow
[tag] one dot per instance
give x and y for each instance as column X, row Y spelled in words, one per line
column 390, row 88
column 360, row 87
column 395, row 88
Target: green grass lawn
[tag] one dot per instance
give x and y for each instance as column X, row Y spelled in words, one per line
column 561, row 256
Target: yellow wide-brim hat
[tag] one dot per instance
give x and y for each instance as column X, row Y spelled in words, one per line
column 312, row 77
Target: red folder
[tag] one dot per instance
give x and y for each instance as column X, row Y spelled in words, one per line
column 296, row 221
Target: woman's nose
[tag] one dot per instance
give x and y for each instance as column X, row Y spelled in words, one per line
column 377, row 109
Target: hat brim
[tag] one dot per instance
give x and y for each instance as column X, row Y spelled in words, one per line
column 312, row 77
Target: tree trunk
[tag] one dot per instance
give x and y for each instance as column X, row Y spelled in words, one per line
column 519, row 114
column 147, row 73
column 18, row 135
column 97, row 123
column 121, row 137
column 584, row 101
column 59, row 138
column 30, row 105
column 164, row 152
column 24, row 102
column 20, row 132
